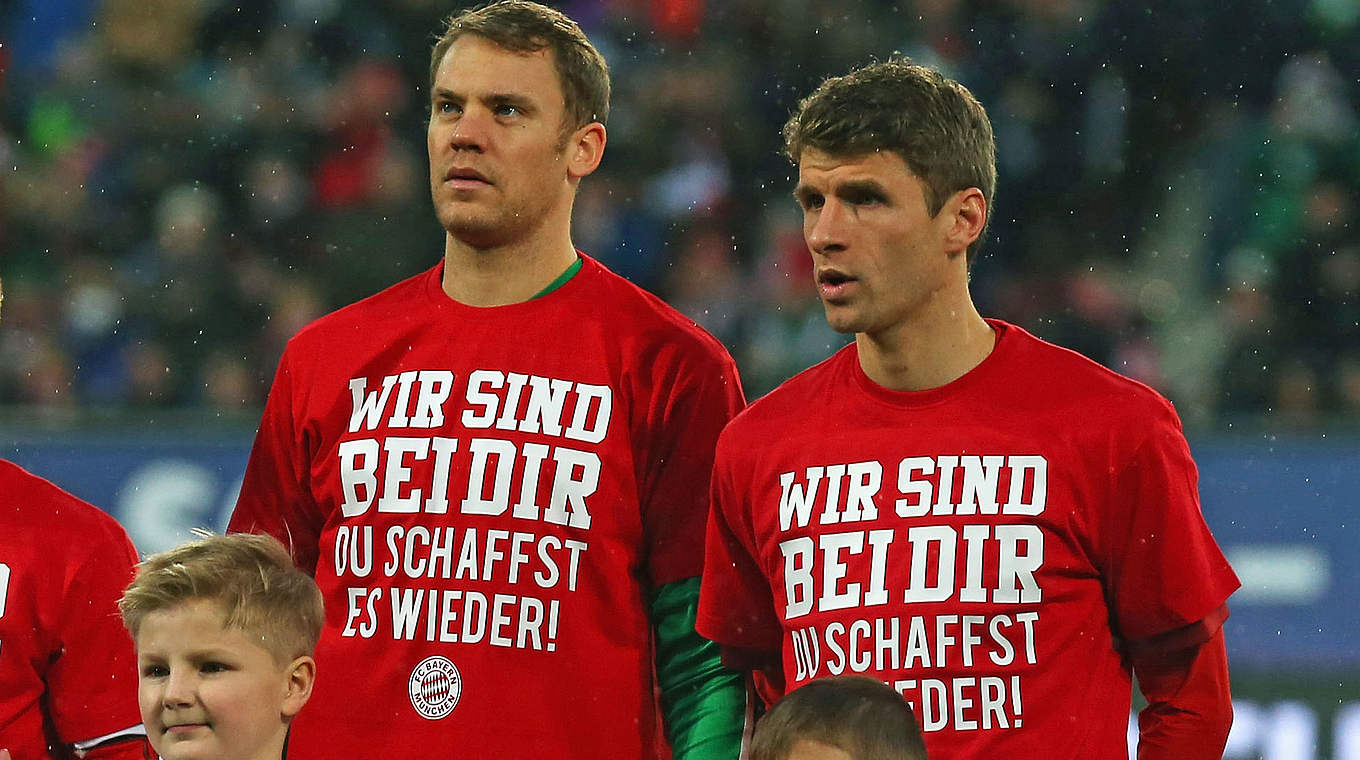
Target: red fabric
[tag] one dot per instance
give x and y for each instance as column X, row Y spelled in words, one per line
column 1180, row 639
column 998, row 599
column 67, row 671
column 564, row 691
column 767, row 674
column 1189, row 708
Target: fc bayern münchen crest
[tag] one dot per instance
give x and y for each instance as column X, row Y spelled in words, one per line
column 435, row 687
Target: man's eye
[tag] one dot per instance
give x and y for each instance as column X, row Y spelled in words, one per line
column 213, row 667
column 864, row 199
column 506, row 110
column 809, row 202
column 155, row 671
column 446, row 107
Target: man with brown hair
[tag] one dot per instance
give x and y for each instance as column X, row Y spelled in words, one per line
column 497, row 470
column 1000, row 528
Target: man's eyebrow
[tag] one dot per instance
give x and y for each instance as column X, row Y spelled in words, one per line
column 519, row 100
column 510, row 98
column 860, row 187
column 850, row 189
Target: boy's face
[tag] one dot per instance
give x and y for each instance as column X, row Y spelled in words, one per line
column 211, row 693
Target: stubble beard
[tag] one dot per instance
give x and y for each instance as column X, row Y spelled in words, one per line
column 479, row 227
column 844, row 318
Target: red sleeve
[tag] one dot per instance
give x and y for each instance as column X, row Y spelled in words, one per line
column 1163, row 568
column 92, row 683
column 275, row 497
column 736, row 607
column 688, row 412
column 1189, row 708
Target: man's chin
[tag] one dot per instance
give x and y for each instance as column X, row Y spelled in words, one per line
column 476, row 232
column 843, row 323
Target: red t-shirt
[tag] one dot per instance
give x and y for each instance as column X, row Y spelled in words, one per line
column 486, row 496
column 984, row 546
column 67, row 671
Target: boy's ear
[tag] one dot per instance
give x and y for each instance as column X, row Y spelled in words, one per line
column 301, row 676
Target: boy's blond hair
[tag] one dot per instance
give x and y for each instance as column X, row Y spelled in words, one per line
column 863, row 717
column 251, row 578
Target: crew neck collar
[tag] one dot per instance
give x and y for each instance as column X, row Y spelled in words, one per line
column 985, row 372
column 566, row 283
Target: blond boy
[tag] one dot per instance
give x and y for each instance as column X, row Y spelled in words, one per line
column 225, row 628
column 839, row 718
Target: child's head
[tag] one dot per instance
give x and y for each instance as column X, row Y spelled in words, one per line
column 225, row 628
column 841, row 718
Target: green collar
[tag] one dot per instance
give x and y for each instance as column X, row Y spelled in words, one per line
column 561, row 278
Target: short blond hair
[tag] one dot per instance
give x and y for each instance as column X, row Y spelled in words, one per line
column 521, row 26
column 252, row 579
column 863, row 717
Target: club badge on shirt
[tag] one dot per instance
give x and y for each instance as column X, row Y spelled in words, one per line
column 435, row 687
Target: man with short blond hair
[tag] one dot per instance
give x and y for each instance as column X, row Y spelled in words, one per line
column 497, row 470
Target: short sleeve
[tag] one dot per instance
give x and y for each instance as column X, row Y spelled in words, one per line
column 736, row 607
column 275, row 497
column 92, row 683
column 1164, row 570
column 689, row 411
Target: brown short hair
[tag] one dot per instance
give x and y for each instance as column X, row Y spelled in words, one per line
column 526, row 27
column 253, row 580
column 865, row 718
column 934, row 123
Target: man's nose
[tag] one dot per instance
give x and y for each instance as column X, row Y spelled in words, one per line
column 470, row 131
column 826, row 228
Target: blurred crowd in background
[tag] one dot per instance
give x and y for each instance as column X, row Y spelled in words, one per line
column 186, row 183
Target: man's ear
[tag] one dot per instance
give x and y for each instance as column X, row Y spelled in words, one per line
column 301, row 676
column 965, row 214
column 585, row 149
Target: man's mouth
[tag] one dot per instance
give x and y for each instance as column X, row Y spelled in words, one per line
column 465, row 176
column 832, row 282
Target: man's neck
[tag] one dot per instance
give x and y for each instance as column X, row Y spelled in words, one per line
column 928, row 352
column 504, row 274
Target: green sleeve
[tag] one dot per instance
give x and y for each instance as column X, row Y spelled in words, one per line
column 704, row 703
